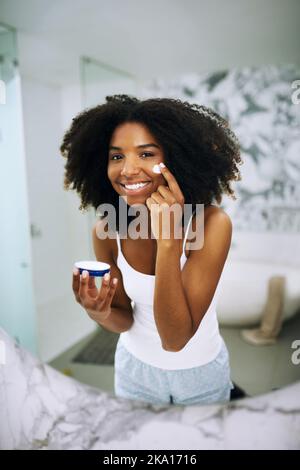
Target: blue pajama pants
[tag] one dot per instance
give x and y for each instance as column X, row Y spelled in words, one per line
column 207, row 384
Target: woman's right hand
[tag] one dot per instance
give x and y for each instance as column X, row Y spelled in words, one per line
column 96, row 303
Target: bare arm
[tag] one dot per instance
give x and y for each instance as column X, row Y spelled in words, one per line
column 118, row 321
column 182, row 297
column 109, row 306
column 171, row 310
column 120, row 318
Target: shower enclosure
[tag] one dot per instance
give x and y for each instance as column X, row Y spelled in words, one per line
column 17, row 312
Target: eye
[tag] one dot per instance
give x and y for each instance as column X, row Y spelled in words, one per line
column 148, row 154
column 113, row 157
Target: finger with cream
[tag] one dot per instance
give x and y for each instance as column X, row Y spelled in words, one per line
column 157, row 168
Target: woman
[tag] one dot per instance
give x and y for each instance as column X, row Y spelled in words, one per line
column 170, row 349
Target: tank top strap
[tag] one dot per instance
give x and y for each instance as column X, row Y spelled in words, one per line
column 118, row 241
column 187, row 231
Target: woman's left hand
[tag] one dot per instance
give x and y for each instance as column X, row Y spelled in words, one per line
column 163, row 214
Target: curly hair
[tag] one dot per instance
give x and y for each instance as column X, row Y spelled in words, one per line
column 199, row 148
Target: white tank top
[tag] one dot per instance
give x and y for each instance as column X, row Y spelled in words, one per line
column 142, row 339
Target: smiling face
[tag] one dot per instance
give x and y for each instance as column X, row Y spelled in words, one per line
column 133, row 151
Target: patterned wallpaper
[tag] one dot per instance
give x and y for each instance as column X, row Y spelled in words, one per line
column 257, row 102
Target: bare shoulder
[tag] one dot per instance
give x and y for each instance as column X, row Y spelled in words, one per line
column 214, row 215
column 217, row 227
column 218, row 216
column 102, row 244
column 104, row 251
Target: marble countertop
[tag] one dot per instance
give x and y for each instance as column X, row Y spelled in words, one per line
column 40, row 408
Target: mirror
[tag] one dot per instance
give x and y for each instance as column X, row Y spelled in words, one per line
column 259, row 296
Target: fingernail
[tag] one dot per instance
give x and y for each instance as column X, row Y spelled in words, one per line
column 75, row 271
column 84, row 274
column 162, row 165
column 106, row 277
column 115, row 280
column 156, row 169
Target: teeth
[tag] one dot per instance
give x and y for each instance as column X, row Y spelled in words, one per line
column 134, row 186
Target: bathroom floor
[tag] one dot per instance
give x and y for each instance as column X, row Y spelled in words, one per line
column 256, row 369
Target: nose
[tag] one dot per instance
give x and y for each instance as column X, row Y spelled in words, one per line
column 130, row 169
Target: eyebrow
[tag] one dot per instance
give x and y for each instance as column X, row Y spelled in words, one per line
column 138, row 146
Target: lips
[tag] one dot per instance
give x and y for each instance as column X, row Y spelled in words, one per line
column 134, row 182
column 136, row 191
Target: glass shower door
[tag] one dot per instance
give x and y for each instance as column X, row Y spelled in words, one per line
column 17, row 312
column 99, row 79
